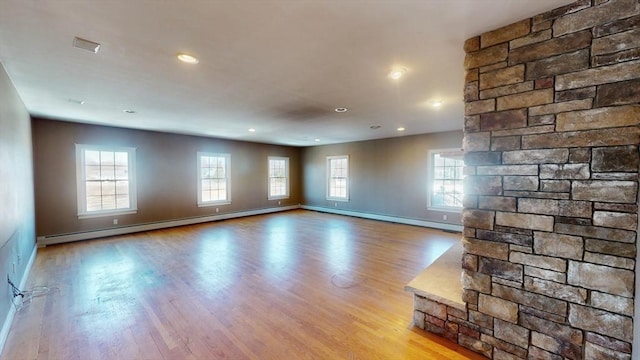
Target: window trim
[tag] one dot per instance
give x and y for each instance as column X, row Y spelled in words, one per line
column 286, row 177
column 81, row 191
column 328, row 178
column 431, row 179
column 227, row 201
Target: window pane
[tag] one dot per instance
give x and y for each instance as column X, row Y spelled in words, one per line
column 108, row 202
column 107, row 172
column 447, row 188
column 107, row 158
column 108, row 188
column 122, row 201
column 121, row 159
column 121, row 173
column 93, row 188
column 122, row 188
column 94, row 203
column 92, row 172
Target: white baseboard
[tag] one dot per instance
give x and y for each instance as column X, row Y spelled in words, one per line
column 58, row 239
column 6, row 326
column 400, row 220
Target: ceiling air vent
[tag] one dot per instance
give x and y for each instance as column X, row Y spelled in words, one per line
column 85, row 44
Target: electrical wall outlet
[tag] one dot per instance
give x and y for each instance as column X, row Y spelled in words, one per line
column 444, row 217
column 217, row 210
column 115, row 221
column 278, row 202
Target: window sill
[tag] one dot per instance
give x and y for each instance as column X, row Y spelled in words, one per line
column 447, row 210
column 214, row 203
column 107, row 213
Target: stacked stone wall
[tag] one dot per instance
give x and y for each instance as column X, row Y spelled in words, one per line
column 552, row 107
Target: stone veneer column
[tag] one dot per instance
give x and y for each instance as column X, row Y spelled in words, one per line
column 551, row 212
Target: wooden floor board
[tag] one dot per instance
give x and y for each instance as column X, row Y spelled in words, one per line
column 293, row 285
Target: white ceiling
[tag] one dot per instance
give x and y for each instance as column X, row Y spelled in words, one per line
column 278, row 66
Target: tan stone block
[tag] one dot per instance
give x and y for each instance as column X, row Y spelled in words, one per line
column 598, row 76
column 616, row 42
column 525, row 131
column 590, row 319
column 559, row 64
column 615, row 58
column 608, row 117
column 545, row 274
column 599, row 278
column 507, row 76
column 525, row 100
column 547, row 119
column 525, row 221
column 560, row 107
column 471, row 75
column 471, row 91
column 592, row 351
column 530, row 39
column 610, row 248
column 505, row 143
column 544, row 262
column 497, row 203
column 490, row 249
column 589, row 138
column 529, row 299
column 605, row 191
column 430, row 307
column 527, row 183
column 498, row 308
column 511, row 333
column 555, row 290
column 559, row 331
column 552, row 47
column 475, row 345
column 558, row 245
column 615, row 220
column 561, row 11
column 477, row 141
column 617, row 26
column 472, row 44
column 555, row 185
column 503, row 120
column 503, row 355
column 542, row 156
column 507, row 90
column 508, row 170
column 496, row 66
column 479, row 107
column 597, row 15
column 506, row 237
column 506, row 33
column 586, row 231
column 609, row 260
column 613, row 303
column 486, row 56
column 478, row 219
column 608, row 342
column 476, row 281
column 564, row 171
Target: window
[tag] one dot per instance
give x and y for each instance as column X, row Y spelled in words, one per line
column 278, row 177
column 446, row 180
column 214, row 185
column 105, row 180
column 338, row 178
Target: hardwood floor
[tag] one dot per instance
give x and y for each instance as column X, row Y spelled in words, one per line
column 293, row 285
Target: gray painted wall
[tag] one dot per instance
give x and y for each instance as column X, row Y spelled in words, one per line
column 17, row 231
column 166, row 175
column 387, row 176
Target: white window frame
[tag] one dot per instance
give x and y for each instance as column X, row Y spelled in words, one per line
column 81, row 181
column 286, row 177
column 329, row 177
column 431, row 179
column 227, row 172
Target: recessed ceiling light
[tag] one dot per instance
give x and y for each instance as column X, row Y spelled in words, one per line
column 128, row 111
column 85, row 44
column 341, row 109
column 401, row 129
column 375, row 127
column 76, row 101
column 397, row 73
column 189, row 59
column 436, row 103
column 316, row 140
column 252, row 130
